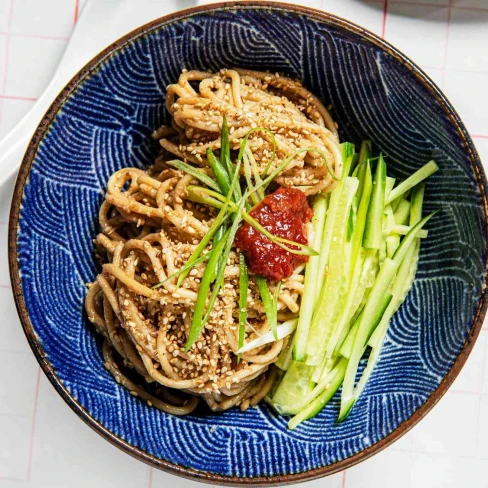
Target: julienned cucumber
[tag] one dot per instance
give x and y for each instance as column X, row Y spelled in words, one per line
column 311, row 279
column 419, row 176
column 373, row 231
column 319, row 403
column 401, row 286
column 378, row 292
column 368, row 232
column 334, row 292
column 333, row 223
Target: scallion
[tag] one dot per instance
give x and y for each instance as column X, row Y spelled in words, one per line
column 220, row 172
column 208, row 277
column 188, row 266
column 195, row 172
column 267, row 301
column 243, row 286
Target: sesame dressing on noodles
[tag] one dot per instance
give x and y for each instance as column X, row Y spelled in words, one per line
column 150, row 228
column 251, row 99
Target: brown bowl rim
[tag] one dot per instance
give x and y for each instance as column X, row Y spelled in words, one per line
column 190, row 473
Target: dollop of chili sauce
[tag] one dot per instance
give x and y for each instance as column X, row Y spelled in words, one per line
column 284, row 213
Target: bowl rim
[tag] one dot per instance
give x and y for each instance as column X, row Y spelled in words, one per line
column 24, row 171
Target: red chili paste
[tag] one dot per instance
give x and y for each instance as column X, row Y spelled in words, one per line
column 284, row 213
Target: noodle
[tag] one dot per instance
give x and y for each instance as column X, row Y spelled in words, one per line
column 251, row 99
column 149, row 230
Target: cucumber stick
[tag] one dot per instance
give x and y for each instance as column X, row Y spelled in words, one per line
column 389, row 184
column 393, row 238
column 347, row 151
column 373, row 232
column 416, row 200
column 368, row 317
column 402, row 285
column 327, row 239
column 389, row 220
column 311, row 279
column 284, row 358
column 359, row 171
column 349, row 308
column 333, row 294
column 402, row 212
column 367, row 187
column 294, row 386
column 318, row 404
column 382, row 283
column 424, row 172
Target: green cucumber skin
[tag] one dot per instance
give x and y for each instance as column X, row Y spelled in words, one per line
column 382, row 282
column 385, row 277
column 347, row 345
column 402, row 212
column 326, row 315
column 296, row 382
column 373, row 232
column 308, row 305
column 412, row 181
column 367, row 188
column 319, row 403
column 364, row 228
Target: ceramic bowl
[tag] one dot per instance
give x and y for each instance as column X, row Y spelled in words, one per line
column 102, row 121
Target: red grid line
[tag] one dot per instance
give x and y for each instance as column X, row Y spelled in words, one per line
column 15, row 97
column 385, row 15
column 77, row 11
column 151, row 469
column 7, row 45
column 446, row 46
column 464, row 392
column 343, row 484
column 5, row 286
column 34, row 36
column 31, row 447
column 479, row 136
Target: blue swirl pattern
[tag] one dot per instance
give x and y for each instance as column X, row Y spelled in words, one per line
column 105, row 125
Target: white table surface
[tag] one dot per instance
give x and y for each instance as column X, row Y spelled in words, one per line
column 44, row 444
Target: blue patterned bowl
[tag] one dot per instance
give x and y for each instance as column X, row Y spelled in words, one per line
column 102, row 121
